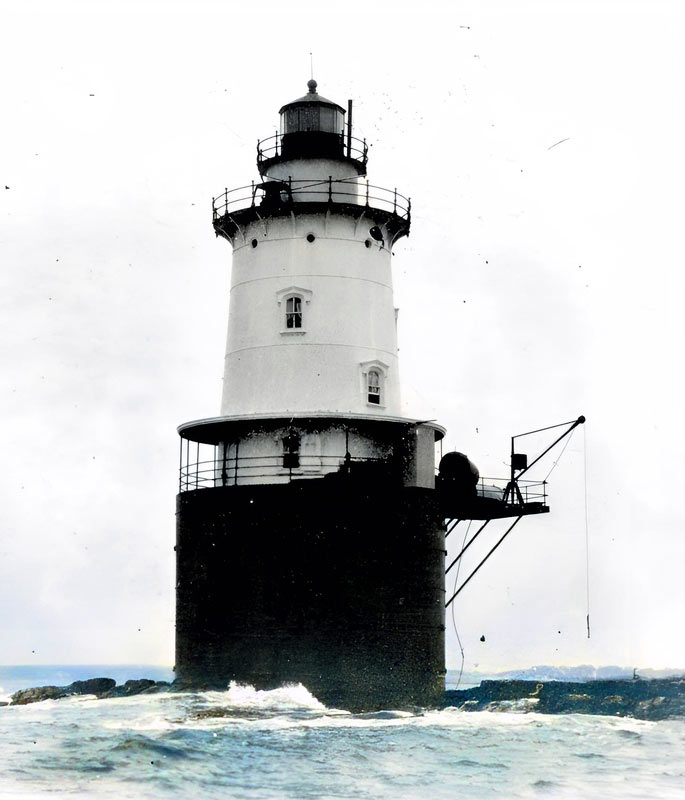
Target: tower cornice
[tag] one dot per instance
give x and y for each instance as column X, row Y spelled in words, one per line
column 214, row 430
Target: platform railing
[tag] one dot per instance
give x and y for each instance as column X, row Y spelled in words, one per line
column 495, row 488
column 232, row 471
column 351, row 147
column 353, row 191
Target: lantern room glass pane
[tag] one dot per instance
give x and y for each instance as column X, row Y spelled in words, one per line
column 289, row 120
column 309, row 118
column 327, row 120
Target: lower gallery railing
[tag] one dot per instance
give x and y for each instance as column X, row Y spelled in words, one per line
column 232, row 471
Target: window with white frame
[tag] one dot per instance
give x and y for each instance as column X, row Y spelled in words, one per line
column 293, row 312
column 373, row 376
column 293, row 302
column 373, row 387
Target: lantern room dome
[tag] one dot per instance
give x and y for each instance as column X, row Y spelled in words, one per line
column 312, row 112
column 312, row 96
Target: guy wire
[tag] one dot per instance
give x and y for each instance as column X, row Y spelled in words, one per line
column 454, row 622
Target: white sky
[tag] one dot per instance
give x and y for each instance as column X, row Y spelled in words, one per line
column 537, row 284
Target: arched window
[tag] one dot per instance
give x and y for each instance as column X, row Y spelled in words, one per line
column 374, row 387
column 293, row 307
column 373, row 375
column 293, row 313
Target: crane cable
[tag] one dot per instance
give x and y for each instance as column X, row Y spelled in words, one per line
column 587, row 537
column 587, row 526
column 563, row 450
column 454, row 622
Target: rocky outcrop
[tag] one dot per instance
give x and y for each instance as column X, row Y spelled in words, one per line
column 139, row 686
column 656, row 699
column 92, row 686
column 38, row 693
column 643, row 699
column 100, row 687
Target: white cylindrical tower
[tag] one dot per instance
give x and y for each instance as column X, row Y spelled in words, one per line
column 310, row 545
column 311, row 316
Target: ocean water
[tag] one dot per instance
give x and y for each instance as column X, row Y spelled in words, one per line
column 247, row 744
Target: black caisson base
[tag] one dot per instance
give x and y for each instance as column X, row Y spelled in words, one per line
column 335, row 584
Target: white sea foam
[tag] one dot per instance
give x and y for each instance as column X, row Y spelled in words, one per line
column 285, row 698
column 146, row 722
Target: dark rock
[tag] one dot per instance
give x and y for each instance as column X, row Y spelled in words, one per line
column 96, row 686
column 101, row 687
column 144, row 686
column 38, row 693
column 139, row 686
column 657, row 708
column 645, row 699
column 160, row 686
column 92, row 686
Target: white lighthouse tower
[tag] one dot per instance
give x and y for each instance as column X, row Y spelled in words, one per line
column 310, row 545
column 311, row 317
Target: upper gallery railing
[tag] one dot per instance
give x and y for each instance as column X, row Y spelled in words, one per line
column 351, row 147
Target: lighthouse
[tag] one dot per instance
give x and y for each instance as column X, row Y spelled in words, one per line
column 310, row 541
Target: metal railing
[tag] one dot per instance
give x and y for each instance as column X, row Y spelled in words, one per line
column 353, row 191
column 232, row 470
column 351, row 147
column 495, row 488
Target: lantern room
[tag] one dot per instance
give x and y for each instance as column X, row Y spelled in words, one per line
column 312, row 113
column 313, row 127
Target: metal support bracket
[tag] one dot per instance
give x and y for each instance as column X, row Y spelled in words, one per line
column 508, row 531
column 466, row 546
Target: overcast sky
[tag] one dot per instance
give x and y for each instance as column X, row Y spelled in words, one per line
column 541, row 144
